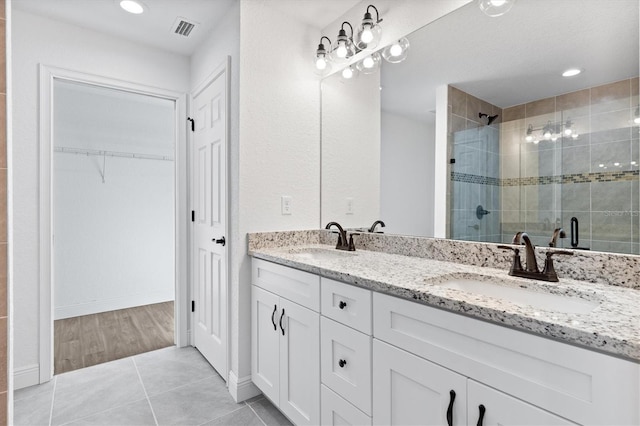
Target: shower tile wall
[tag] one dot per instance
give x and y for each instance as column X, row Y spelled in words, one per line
column 475, row 175
column 593, row 178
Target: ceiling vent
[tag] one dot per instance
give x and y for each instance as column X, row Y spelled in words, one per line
column 183, row 27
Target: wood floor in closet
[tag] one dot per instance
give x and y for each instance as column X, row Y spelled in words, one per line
column 93, row 339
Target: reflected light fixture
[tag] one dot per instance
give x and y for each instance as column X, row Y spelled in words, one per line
column 636, row 116
column 494, row 8
column 571, row 72
column 132, row 6
column 344, row 48
column 369, row 33
column 551, row 132
column 349, row 73
column 321, row 60
column 370, row 64
column 396, row 52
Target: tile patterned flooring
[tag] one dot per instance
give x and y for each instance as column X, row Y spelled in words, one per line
column 171, row 386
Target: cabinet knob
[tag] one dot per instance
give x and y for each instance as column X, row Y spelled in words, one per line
column 342, row 304
column 342, row 363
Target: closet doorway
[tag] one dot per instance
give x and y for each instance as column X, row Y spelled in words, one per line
column 113, row 223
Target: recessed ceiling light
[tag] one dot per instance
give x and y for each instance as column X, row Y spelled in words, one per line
column 571, row 72
column 132, row 6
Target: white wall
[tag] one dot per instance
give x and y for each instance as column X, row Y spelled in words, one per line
column 351, row 150
column 279, row 139
column 114, row 238
column 406, row 172
column 38, row 40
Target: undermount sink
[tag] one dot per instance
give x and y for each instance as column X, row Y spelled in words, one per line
column 522, row 296
column 319, row 253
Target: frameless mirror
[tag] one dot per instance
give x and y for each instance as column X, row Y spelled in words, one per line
column 527, row 149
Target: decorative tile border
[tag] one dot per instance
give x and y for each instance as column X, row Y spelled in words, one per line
column 619, row 176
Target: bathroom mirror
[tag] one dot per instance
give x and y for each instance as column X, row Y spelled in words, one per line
column 527, row 149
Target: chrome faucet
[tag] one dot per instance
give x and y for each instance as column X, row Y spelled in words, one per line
column 531, row 270
column 342, row 237
column 376, row 223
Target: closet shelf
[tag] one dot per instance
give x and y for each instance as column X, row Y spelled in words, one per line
column 101, row 153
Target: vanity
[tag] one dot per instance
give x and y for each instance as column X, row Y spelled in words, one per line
column 369, row 337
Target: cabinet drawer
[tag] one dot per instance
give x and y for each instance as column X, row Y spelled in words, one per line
column 297, row 286
column 336, row 411
column 577, row 384
column 346, row 304
column 345, row 359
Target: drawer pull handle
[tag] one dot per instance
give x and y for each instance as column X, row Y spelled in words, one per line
column 282, row 316
column 452, row 397
column 342, row 363
column 481, row 418
column 342, row 304
column 273, row 321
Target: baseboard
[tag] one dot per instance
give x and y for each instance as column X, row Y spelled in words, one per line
column 242, row 389
column 111, row 304
column 24, row 377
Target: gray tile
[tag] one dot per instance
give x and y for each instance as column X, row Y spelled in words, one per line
column 576, row 196
column 242, row 417
column 34, row 390
column 609, row 154
column 89, row 391
column 575, row 160
column 194, row 404
column 611, row 226
column 135, row 414
column 612, row 246
column 269, row 414
column 33, row 410
column 611, row 196
column 172, row 367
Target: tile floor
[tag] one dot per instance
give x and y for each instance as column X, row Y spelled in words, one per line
column 169, row 386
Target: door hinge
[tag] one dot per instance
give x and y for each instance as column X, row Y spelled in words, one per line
column 193, row 215
column 193, row 306
column 193, row 124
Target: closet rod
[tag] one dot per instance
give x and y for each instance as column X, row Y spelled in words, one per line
column 102, row 153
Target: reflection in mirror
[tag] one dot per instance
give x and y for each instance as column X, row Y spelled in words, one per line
column 528, row 149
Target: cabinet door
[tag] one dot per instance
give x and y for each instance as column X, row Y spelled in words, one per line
column 502, row 409
column 265, row 349
column 338, row 412
column 408, row 390
column 299, row 363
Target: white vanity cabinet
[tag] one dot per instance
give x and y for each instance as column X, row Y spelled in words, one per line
column 540, row 381
column 285, row 338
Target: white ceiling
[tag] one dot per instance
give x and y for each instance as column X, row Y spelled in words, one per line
column 153, row 27
column 518, row 57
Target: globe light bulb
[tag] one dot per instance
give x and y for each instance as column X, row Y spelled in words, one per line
column 366, row 36
column 347, row 73
column 529, row 138
column 321, row 64
column 568, row 132
column 395, row 50
column 368, row 62
column 498, row 3
column 341, row 51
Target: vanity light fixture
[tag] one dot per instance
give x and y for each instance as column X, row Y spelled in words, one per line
column 370, row 64
column 494, row 8
column 369, row 33
column 396, row 52
column 344, row 48
column 321, row 60
column 572, row 72
column 132, row 6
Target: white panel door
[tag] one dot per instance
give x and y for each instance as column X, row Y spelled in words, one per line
column 265, row 342
column 209, row 203
column 408, row 390
column 501, row 409
column 299, row 363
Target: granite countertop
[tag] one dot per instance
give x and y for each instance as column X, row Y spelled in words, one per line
column 613, row 326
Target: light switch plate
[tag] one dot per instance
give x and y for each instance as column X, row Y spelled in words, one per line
column 286, row 204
